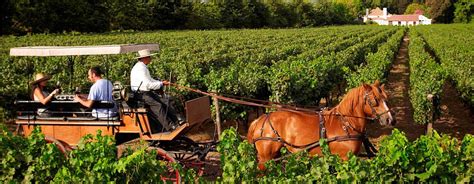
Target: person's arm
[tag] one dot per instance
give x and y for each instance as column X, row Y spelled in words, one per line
column 85, row 102
column 44, row 100
column 148, row 83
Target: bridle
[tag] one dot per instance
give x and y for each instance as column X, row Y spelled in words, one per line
column 346, row 125
column 376, row 116
column 367, row 101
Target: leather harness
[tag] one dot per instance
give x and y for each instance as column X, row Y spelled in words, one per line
column 361, row 136
column 369, row 147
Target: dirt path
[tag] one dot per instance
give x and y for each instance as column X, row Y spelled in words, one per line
column 398, row 85
column 456, row 119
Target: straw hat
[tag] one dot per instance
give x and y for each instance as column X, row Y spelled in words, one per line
column 144, row 53
column 40, row 77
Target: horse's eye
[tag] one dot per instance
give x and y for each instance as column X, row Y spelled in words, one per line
column 376, row 102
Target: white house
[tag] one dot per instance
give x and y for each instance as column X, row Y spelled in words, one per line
column 382, row 17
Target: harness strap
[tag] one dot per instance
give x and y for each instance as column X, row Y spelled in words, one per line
column 316, row 144
column 313, row 144
column 346, row 125
column 263, row 124
column 322, row 129
column 273, row 129
column 369, row 147
column 278, row 138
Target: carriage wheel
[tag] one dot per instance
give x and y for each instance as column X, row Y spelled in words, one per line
column 172, row 174
column 63, row 147
column 187, row 152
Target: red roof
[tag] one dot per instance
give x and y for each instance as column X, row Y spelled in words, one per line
column 376, row 12
column 377, row 18
column 403, row 18
column 419, row 12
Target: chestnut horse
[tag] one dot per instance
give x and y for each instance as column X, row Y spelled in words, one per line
column 343, row 126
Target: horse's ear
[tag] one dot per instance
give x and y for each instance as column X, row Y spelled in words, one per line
column 367, row 87
column 377, row 83
column 382, row 87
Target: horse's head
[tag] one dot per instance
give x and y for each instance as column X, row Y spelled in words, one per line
column 375, row 104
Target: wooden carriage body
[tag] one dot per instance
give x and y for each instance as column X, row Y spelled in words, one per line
column 70, row 129
column 131, row 120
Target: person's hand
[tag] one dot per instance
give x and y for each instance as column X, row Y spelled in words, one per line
column 55, row 92
column 165, row 82
column 77, row 98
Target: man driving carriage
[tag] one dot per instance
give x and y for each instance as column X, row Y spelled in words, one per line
column 159, row 106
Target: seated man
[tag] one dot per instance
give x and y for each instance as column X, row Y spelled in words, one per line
column 101, row 90
column 160, row 109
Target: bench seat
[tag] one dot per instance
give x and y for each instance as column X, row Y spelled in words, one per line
column 71, row 122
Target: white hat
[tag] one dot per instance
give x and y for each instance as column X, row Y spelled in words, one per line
column 144, row 53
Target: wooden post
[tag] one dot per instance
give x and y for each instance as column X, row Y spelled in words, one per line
column 218, row 116
column 429, row 126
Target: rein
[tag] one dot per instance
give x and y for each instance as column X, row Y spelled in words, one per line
column 274, row 104
column 370, row 149
column 243, row 102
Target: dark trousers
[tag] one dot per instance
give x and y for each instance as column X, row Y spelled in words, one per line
column 160, row 109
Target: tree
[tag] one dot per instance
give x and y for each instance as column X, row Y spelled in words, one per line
column 358, row 8
column 441, row 10
column 204, row 16
column 305, row 14
column 128, row 14
column 6, row 13
column 258, row 13
column 169, row 14
column 464, row 11
column 412, row 8
column 280, row 15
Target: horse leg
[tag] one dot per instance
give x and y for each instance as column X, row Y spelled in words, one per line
column 266, row 150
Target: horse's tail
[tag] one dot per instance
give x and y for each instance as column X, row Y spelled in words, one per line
column 252, row 128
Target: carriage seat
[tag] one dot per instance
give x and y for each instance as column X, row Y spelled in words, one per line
column 27, row 110
column 30, row 105
column 134, row 102
column 127, row 109
column 126, row 95
column 65, row 118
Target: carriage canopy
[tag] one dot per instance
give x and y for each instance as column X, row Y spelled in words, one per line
column 80, row 50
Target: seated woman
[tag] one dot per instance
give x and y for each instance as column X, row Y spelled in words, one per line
column 40, row 94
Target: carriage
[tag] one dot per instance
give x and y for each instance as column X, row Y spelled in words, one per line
column 66, row 127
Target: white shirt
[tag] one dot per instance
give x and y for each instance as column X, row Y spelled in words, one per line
column 140, row 74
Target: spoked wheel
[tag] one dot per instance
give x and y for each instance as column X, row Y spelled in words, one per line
column 187, row 152
column 173, row 174
column 189, row 161
column 63, row 147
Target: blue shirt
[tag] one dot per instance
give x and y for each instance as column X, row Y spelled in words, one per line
column 102, row 91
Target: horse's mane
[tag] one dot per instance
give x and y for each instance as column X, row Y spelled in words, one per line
column 354, row 97
column 350, row 100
